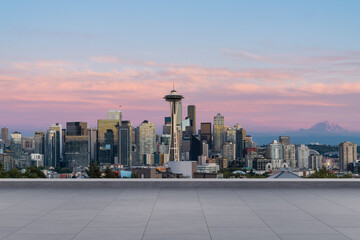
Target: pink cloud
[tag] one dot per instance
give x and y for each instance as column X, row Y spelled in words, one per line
column 73, row 91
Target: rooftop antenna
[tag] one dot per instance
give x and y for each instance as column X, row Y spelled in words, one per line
column 173, row 86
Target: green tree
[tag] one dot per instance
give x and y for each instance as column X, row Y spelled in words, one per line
column 109, row 173
column 14, row 173
column 323, row 173
column 34, row 172
column 2, row 172
column 94, row 171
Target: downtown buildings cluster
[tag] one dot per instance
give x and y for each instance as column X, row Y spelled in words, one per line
column 181, row 150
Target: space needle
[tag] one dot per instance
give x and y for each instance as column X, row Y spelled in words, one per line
column 173, row 98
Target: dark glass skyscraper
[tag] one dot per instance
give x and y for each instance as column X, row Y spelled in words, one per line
column 125, row 141
column 192, row 116
column 205, row 132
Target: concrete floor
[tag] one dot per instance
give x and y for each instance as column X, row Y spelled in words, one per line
column 182, row 213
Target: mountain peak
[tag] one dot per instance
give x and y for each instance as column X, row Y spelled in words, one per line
column 326, row 127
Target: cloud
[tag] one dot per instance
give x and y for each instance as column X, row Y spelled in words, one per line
column 104, row 59
column 82, row 90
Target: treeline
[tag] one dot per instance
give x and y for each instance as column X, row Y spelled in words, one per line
column 31, row 172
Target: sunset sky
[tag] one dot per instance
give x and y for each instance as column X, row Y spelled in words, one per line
column 269, row 65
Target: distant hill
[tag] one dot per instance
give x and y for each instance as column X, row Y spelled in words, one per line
column 325, row 127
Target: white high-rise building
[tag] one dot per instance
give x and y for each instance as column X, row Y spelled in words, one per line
column 275, row 153
column 302, row 156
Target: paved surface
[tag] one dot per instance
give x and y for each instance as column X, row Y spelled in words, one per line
column 182, row 213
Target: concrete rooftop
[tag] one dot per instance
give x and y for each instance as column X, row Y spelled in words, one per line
column 177, row 212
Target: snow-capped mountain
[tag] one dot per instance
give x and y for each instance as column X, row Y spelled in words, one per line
column 325, row 127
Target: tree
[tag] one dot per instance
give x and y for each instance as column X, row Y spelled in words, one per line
column 14, row 173
column 94, row 171
column 109, row 173
column 34, row 172
column 322, row 173
column 2, row 172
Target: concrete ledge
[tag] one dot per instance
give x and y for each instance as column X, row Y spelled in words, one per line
column 180, row 183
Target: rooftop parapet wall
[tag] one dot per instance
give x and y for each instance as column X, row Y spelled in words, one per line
column 180, row 183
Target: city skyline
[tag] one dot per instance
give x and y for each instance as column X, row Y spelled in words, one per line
column 252, row 68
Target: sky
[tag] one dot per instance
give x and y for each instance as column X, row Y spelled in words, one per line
column 269, row 65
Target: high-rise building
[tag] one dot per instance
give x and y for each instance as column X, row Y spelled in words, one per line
column 2, row 146
column 174, row 100
column 145, row 140
column 76, row 129
column 125, row 146
column 284, row 140
column 315, row 160
column 52, row 148
column 60, row 140
column 15, row 143
column 39, row 138
column 28, row 144
column 302, row 156
column 7, row 161
column 195, row 148
column 108, row 141
column 228, row 150
column 347, row 154
column 218, row 132
column 167, row 126
column 76, row 145
column 191, row 112
column 230, row 135
column 205, row 132
column 92, row 144
column 114, row 115
column 289, row 155
column 275, row 153
column 5, row 135
column 205, row 149
column 240, row 143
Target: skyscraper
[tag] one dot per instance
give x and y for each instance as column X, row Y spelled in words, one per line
column 240, row 143
column 145, row 140
column 228, row 150
column 289, row 155
column 108, row 141
column 347, row 154
column 275, row 153
column 39, row 138
column 302, row 156
column 76, row 129
column 59, row 135
column 192, row 116
column 174, row 100
column 2, row 146
column 195, row 148
column 218, row 132
column 92, row 144
column 15, row 143
column 5, row 135
column 205, row 133
column 76, row 145
column 52, row 148
column 125, row 135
